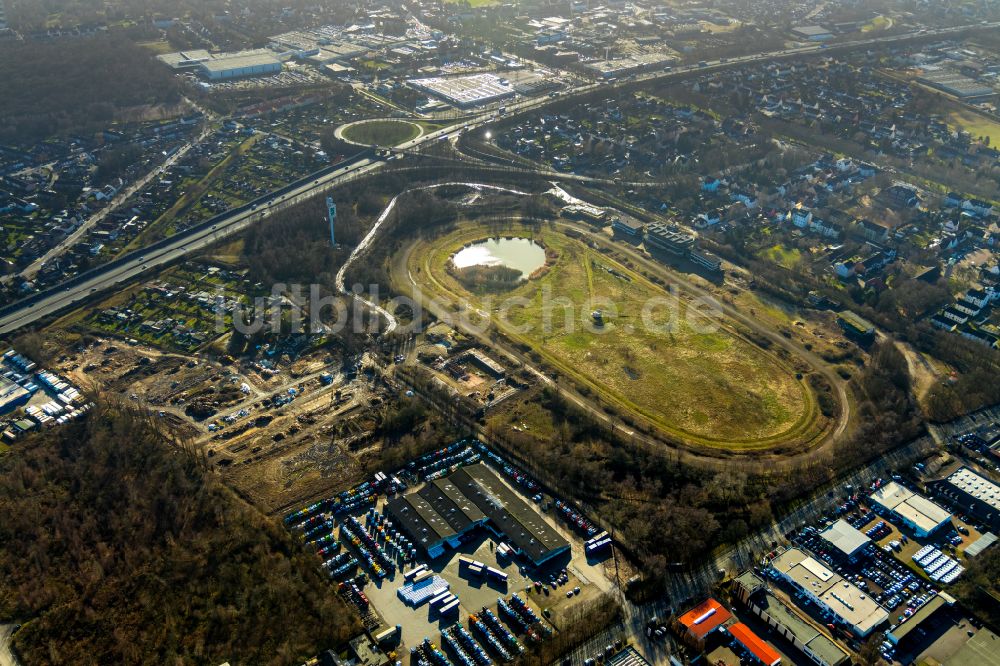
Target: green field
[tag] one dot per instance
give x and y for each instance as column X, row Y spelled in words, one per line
column 782, row 255
column 708, row 388
column 382, row 132
column 976, row 125
column 877, row 23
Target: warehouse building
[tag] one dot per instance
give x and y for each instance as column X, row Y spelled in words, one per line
column 12, row 395
column 466, row 91
column 915, row 511
column 844, row 539
column 752, row 643
column 957, row 85
column 971, row 493
column 855, row 326
column 240, row 65
column 221, row 66
column 444, row 513
column 976, row 548
column 849, row 604
column 628, row 65
column 810, row 641
column 185, row 60
column 904, row 634
column 813, row 33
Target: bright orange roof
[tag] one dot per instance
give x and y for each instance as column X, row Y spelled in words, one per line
column 751, row 641
column 705, row 617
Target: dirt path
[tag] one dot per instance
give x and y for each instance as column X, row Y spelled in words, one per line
column 922, row 373
column 6, row 656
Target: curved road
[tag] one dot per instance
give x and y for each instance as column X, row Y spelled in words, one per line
column 57, row 299
column 366, row 242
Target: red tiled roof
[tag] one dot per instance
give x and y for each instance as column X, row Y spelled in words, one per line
column 705, row 617
column 751, row 641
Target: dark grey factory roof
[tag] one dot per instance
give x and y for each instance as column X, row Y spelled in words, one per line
column 519, row 522
column 468, row 507
column 446, row 507
column 403, row 511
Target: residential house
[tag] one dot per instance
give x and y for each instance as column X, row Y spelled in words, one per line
column 746, row 198
column 825, row 228
column 902, row 196
column 802, row 218
column 986, row 338
column 982, row 297
column 873, row 231
column 978, row 206
column 955, row 315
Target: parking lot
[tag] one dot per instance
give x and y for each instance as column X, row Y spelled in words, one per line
column 887, row 571
column 387, row 591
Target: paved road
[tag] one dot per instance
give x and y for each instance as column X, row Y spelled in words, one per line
column 114, row 204
column 58, row 299
column 746, row 553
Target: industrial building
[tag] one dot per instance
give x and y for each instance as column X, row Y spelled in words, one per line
column 444, row 512
column 221, row 66
column 695, row 625
column 845, row 601
column 813, row 643
column 466, row 91
column 669, row 238
column 12, row 395
column 846, row 540
column 957, row 85
column 915, row 511
column 971, row 493
column 240, row 65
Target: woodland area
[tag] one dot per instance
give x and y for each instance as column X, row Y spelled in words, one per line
column 119, row 546
column 76, row 86
column 979, row 588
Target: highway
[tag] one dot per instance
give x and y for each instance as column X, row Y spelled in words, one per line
column 57, row 299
